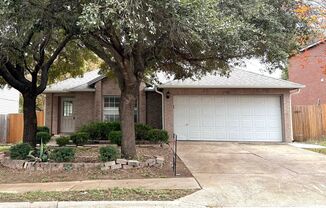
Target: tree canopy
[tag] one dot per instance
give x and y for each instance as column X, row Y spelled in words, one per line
column 37, row 35
column 185, row 38
column 189, row 37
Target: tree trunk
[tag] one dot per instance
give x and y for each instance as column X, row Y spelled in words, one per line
column 30, row 119
column 128, row 100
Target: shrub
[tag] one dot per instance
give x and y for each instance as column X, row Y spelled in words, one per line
column 20, row 151
column 80, row 138
column 43, row 129
column 44, row 136
column 141, row 131
column 100, row 130
column 62, row 141
column 115, row 137
column 63, row 154
column 108, row 153
column 158, row 135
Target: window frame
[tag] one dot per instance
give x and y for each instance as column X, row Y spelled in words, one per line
column 116, row 109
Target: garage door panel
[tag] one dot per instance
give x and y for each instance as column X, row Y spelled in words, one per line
column 228, row 117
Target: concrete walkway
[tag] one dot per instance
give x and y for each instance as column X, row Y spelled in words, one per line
column 155, row 183
column 254, row 175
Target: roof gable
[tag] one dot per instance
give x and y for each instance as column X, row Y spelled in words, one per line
column 238, row 79
column 77, row 84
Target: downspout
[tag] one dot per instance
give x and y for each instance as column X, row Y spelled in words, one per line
column 162, row 94
column 295, row 93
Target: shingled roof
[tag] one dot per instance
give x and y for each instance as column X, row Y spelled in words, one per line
column 238, row 79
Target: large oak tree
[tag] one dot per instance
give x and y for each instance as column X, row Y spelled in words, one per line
column 35, row 36
column 185, row 38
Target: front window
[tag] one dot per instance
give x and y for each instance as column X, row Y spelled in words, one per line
column 111, row 109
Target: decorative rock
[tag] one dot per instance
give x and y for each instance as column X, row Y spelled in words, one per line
column 2, row 156
column 116, row 166
column 29, row 166
column 133, row 163
column 158, row 165
column 127, row 167
column 109, row 164
column 151, row 162
column 122, row 161
column 159, row 160
column 105, row 168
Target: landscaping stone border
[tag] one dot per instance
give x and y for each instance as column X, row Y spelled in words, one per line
column 69, row 166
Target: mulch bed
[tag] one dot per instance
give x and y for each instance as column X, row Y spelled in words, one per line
column 90, row 154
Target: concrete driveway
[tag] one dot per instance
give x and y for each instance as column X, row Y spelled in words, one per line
column 240, row 175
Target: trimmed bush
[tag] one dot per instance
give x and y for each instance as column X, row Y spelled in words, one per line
column 20, row 151
column 62, row 141
column 43, row 129
column 108, row 153
column 100, row 130
column 80, row 138
column 158, row 135
column 141, row 131
column 115, row 137
column 44, row 136
column 63, row 154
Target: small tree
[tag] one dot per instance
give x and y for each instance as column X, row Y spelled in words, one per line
column 186, row 38
column 32, row 35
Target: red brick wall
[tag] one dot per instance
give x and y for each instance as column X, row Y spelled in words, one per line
column 88, row 106
column 308, row 68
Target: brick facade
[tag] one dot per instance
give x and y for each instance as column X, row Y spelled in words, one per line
column 309, row 68
column 88, row 106
column 285, row 104
column 154, row 109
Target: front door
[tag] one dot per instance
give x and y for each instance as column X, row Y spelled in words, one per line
column 67, row 115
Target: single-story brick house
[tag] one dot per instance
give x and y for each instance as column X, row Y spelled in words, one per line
column 243, row 107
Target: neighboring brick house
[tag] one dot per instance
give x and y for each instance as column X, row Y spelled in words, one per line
column 309, row 68
column 243, row 107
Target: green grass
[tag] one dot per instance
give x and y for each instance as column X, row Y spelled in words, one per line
column 116, row 194
column 4, row 148
column 321, row 141
column 322, row 151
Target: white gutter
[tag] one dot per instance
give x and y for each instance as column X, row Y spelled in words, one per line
column 162, row 94
column 295, row 93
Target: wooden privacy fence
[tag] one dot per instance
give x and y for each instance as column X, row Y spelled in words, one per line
column 309, row 122
column 12, row 127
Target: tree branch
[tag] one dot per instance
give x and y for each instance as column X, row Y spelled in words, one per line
column 11, row 80
column 45, row 68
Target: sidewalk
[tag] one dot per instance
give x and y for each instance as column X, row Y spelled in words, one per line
column 155, row 183
column 101, row 204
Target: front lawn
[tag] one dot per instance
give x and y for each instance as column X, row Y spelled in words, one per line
column 90, row 154
column 115, row 194
column 321, row 142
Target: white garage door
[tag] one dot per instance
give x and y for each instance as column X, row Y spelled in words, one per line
column 228, row 118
